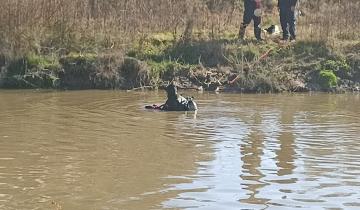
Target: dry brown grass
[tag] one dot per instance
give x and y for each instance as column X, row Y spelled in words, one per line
column 330, row 21
column 61, row 26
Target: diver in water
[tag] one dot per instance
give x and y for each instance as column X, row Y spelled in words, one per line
column 176, row 102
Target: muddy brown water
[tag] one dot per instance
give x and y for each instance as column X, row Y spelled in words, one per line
column 102, row 150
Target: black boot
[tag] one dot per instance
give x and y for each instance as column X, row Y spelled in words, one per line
column 285, row 38
column 292, row 39
column 242, row 32
column 257, row 32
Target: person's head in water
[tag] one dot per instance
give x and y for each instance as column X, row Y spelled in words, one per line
column 171, row 90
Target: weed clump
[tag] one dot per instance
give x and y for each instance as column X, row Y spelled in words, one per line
column 328, row 79
column 32, row 71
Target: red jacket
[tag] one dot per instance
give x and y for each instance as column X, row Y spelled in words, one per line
column 257, row 4
column 252, row 4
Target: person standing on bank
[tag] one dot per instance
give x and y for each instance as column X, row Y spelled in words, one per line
column 287, row 9
column 252, row 12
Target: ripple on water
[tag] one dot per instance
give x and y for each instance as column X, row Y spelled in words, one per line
column 237, row 151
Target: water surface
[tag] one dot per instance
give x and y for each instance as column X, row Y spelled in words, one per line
column 102, row 150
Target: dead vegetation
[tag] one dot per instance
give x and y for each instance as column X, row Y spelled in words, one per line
column 53, row 26
column 133, row 43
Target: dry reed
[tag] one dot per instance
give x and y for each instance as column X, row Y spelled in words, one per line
column 60, row 26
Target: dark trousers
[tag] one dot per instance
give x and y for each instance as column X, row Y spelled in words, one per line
column 248, row 17
column 288, row 23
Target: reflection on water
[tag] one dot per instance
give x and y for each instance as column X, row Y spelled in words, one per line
column 101, row 150
column 252, row 150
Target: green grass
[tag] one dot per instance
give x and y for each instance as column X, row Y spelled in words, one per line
column 162, row 57
column 38, row 62
column 167, row 69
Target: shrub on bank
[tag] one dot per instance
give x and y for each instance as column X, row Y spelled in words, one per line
column 328, row 79
column 32, row 71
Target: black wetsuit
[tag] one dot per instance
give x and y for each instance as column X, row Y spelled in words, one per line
column 177, row 102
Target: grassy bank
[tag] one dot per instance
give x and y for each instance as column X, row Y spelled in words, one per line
column 90, row 44
column 210, row 64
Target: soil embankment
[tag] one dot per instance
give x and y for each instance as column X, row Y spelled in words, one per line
column 221, row 65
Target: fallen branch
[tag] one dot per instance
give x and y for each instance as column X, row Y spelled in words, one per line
column 141, row 88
